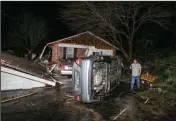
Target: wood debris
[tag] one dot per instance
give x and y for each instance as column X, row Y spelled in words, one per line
column 147, row 100
column 119, row 114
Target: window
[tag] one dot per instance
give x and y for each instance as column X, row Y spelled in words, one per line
column 70, row 52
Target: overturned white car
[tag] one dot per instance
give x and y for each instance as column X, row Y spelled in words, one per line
column 95, row 76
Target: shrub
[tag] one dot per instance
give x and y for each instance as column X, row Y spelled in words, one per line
column 166, row 71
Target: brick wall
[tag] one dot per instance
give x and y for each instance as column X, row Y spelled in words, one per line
column 57, row 53
column 60, row 53
column 80, row 52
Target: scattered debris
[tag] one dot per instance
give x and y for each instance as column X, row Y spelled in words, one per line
column 159, row 90
column 142, row 97
column 147, row 100
column 148, row 77
column 119, row 114
column 70, row 96
column 24, row 66
column 8, row 100
column 84, row 108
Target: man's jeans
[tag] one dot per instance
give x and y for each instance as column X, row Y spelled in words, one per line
column 137, row 78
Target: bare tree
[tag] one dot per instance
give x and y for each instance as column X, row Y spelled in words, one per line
column 174, row 26
column 27, row 32
column 117, row 22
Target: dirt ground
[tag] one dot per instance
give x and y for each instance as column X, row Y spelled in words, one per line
column 56, row 104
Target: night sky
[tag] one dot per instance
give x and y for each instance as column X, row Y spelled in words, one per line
column 59, row 30
column 48, row 10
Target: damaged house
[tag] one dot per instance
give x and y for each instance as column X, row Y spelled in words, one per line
column 78, row 46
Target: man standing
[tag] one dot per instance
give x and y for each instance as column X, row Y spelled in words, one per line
column 136, row 72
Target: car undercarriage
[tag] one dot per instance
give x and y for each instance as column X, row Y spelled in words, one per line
column 95, row 76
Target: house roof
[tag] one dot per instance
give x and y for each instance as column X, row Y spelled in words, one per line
column 25, row 66
column 84, row 33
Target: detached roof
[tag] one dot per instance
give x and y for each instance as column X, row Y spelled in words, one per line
column 25, row 66
column 86, row 35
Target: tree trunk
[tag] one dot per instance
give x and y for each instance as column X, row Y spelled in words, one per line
column 174, row 34
column 126, row 55
column 130, row 50
column 174, row 40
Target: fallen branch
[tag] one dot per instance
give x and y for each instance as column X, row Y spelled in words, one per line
column 120, row 114
column 18, row 97
column 147, row 100
column 143, row 97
